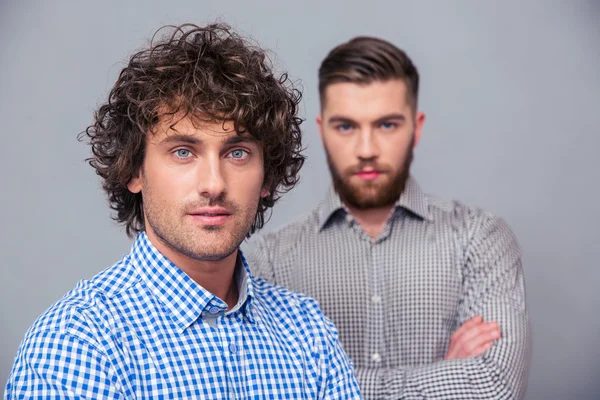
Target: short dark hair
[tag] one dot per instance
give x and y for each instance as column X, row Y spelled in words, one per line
column 364, row 60
column 207, row 72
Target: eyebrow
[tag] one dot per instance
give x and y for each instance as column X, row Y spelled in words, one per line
column 340, row 119
column 188, row 139
column 178, row 138
column 241, row 139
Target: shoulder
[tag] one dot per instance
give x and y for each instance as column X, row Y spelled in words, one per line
column 83, row 311
column 287, row 306
column 467, row 219
column 284, row 238
column 483, row 236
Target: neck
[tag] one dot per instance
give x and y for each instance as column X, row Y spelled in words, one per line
column 371, row 220
column 214, row 276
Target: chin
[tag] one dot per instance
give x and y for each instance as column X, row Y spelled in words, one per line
column 212, row 257
column 218, row 247
column 212, row 228
column 211, row 254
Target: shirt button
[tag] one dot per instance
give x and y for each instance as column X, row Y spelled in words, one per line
column 232, row 348
column 214, row 310
column 375, row 357
column 376, row 299
column 349, row 218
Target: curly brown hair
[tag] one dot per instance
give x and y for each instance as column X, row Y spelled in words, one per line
column 207, row 72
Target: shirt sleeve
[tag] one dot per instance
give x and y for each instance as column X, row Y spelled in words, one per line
column 494, row 288
column 55, row 365
column 339, row 380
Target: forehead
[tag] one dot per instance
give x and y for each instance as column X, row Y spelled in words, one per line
column 365, row 101
column 169, row 125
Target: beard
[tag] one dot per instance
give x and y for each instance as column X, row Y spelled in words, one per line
column 202, row 243
column 369, row 194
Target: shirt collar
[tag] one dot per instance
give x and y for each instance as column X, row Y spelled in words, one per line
column 245, row 287
column 412, row 199
column 183, row 298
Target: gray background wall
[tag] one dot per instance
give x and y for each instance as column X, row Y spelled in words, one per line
column 512, row 94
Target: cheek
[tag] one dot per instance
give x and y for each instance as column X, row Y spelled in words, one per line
column 168, row 184
column 394, row 151
column 245, row 187
column 340, row 150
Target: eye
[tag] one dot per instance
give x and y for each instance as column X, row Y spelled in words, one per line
column 389, row 126
column 344, row 128
column 238, row 154
column 183, row 153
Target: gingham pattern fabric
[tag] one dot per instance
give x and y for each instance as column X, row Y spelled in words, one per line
column 397, row 299
column 136, row 331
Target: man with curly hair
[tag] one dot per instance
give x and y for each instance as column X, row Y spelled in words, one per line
column 197, row 140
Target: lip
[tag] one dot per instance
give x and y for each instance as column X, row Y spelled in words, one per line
column 368, row 174
column 211, row 215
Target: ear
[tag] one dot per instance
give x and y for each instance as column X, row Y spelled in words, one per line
column 320, row 125
column 419, row 122
column 135, row 184
column 264, row 192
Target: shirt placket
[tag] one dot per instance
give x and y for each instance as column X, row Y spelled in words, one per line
column 375, row 301
column 374, row 343
column 229, row 328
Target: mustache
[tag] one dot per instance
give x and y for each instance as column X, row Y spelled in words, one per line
column 220, row 201
column 367, row 164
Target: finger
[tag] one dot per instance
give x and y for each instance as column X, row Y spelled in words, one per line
column 455, row 338
column 472, row 348
column 451, row 353
column 481, row 349
column 466, row 326
column 488, row 330
column 476, row 337
column 467, row 333
column 472, row 334
column 476, row 320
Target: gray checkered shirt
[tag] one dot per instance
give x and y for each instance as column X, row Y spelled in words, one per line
column 397, row 299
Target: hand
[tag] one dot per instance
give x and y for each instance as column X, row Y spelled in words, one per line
column 473, row 338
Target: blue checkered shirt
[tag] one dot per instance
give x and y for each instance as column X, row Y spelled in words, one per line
column 144, row 329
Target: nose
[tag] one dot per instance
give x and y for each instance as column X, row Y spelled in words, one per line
column 367, row 146
column 211, row 182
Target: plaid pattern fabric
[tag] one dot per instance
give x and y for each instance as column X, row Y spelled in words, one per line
column 136, row 330
column 397, row 299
